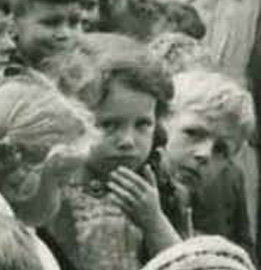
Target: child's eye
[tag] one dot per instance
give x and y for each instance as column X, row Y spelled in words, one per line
column 144, row 124
column 193, row 133
column 221, row 148
column 51, row 21
column 109, row 125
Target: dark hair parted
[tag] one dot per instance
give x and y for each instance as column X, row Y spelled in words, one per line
column 116, row 57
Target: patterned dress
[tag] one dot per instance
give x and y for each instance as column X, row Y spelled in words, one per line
column 92, row 233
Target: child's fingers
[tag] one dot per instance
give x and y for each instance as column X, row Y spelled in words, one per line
column 137, row 180
column 116, row 200
column 150, row 176
column 126, row 183
column 123, row 195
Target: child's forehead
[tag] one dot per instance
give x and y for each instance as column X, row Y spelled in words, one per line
column 122, row 91
column 126, row 104
column 222, row 128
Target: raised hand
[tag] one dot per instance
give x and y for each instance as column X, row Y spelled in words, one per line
column 139, row 198
column 136, row 195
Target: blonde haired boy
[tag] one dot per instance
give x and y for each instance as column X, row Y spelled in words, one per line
column 212, row 116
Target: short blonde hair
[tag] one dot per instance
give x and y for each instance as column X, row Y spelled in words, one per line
column 17, row 247
column 217, row 97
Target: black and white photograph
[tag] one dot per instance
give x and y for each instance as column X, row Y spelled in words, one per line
column 130, row 134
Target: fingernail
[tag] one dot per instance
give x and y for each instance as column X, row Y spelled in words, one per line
column 113, row 174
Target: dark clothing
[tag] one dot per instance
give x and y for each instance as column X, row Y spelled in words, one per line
column 219, row 208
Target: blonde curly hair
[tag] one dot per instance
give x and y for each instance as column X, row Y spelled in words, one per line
column 217, row 98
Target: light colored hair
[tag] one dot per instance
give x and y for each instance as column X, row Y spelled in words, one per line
column 203, row 252
column 17, row 249
column 216, row 97
column 33, row 112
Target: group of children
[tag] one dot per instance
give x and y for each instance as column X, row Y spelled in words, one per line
column 106, row 153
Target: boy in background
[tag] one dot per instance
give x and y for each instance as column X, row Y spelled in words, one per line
column 212, row 117
column 45, row 28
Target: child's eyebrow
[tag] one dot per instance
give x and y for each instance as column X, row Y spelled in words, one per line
column 52, row 17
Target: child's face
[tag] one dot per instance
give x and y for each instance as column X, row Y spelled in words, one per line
column 196, row 146
column 127, row 118
column 7, row 44
column 47, row 29
column 90, row 15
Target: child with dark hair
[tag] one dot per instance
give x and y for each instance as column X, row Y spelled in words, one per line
column 45, row 28
column 111, row 207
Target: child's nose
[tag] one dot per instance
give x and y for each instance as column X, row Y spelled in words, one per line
column 8, row 44
column 63, row 33
column 126, row 139
column 204, row 152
